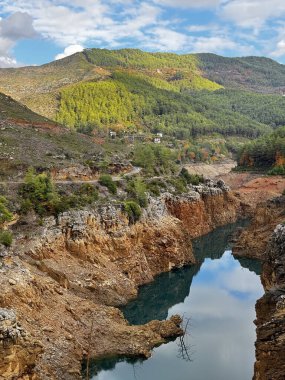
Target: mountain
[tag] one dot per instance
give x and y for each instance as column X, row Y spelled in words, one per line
column 180, row 95
column 258, row 74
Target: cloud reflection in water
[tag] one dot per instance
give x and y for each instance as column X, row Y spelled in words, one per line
column 221, row 304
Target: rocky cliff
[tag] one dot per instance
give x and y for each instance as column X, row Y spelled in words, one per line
column 253, row 241
column 270, row 309
column 263, row 240
column 65, row 278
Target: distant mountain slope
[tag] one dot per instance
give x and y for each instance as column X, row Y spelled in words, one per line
column 258, row 74
column 266, row 109
column 133, row 101
column 130, row 88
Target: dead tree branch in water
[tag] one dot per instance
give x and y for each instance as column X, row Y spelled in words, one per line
column 184, row 348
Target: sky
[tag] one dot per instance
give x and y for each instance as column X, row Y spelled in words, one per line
column 34, row 32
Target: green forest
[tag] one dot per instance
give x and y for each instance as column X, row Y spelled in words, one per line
column 149, row 104
column 265, row 152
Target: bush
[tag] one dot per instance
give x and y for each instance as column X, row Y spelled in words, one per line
column 6, row 238
column 5, row 214
column 136, row 189
column 39, row 193
column 106, row 180
column 154, row 188
column 277, row 170
column 87, row 193
column 179, row 184
column 193, row 179
column 133, row 210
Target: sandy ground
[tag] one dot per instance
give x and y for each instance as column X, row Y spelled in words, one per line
column 211, row 170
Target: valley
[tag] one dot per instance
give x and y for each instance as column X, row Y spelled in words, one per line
column 122, row 177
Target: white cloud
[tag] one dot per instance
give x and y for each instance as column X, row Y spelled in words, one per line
column 17, row 26
column 69, row 50
column 253, row 13
column 189, row 3
column 167, row 40
column 213, row 44
column 202, row 28
column 279, row 50
column 86, row 20
column 12, row 29
column 8, row 62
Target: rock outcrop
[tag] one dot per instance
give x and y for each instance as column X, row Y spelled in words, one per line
column 270, row 309
column 18, row 352
column 263, row 240
column 253, row 241
column 66, row 277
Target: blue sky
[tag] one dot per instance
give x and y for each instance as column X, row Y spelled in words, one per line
column 39, row 31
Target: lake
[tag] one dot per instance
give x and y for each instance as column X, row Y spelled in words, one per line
column 216, row 298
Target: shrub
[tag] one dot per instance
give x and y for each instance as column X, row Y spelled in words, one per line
column 193, row 179
column 87, row 193
column 106, row 180
column 39, row 193
column 133, row 210
column 5, row 214
column 6, row 238
column 154, row 188
column 136, row 189
column 277, row 170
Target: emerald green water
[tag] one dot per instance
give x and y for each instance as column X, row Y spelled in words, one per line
column 218, row 296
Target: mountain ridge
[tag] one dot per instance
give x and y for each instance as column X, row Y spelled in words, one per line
column 158, row 90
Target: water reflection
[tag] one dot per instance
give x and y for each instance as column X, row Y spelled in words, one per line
column 171, row 288
column 220, row 304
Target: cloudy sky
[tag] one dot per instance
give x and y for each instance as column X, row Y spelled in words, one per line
column 38, row 31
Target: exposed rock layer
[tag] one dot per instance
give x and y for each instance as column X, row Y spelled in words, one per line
column 265, row 241
column 253, row 241
column 66, row 276
column 270, row 344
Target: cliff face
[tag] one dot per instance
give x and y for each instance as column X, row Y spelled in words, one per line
column 270, row 344
column 64, row 278
column 203, row 211
column 253, row 241
column 263, row 240
column 15, row 344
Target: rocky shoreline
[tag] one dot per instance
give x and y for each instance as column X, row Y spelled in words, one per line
column 266, row 241
column 66, row 273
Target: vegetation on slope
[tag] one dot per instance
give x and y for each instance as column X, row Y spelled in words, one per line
column 38, row 193
column 267, row 152
column 131, row 100
column 147, row 91
column 265, row 109
column 257, row 74
column 10, row 109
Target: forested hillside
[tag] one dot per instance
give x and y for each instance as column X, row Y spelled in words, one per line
column 179, row 95
column 266, row 152
column 258, row 74
column 266, row 109
column 134, row 101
